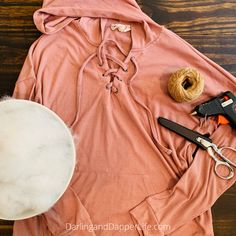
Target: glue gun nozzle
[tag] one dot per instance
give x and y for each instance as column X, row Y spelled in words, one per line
column 193, row 113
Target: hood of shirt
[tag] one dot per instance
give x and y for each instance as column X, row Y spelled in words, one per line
column 56, row 14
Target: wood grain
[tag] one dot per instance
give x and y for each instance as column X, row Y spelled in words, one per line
column 209, row 25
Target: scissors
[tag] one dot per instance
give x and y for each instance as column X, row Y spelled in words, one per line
column 205, row 143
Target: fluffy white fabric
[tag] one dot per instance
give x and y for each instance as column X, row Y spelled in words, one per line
column 37, row 158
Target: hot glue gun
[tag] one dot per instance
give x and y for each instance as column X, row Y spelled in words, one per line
column 223, row 106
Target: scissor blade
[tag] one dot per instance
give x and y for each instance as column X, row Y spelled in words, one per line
column 189, row 134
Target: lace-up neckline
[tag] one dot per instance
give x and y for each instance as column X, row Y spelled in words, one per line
column 103, row 59
column 111, row 74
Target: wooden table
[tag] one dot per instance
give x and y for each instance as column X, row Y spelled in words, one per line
column 209, row 25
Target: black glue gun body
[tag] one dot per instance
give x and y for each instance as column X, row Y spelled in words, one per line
column 224, row 104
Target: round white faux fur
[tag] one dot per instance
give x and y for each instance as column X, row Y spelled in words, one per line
column 37, row 158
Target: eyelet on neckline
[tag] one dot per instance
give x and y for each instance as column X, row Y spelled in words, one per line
column 119, row 78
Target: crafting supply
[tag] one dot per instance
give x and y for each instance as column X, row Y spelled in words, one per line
column 37, row 159
column 205, row 143
column 223, row 106
column 185, row 85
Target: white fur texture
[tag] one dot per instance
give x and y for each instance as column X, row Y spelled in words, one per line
column 37, row 158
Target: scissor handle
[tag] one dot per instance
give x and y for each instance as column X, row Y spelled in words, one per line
column 220, row 152
column 230, row 169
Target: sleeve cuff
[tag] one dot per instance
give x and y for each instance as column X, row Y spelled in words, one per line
column 145, row 220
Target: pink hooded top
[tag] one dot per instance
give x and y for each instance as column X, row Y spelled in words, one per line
column 133, row 177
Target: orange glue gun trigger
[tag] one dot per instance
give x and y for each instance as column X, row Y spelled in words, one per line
column 222, row 120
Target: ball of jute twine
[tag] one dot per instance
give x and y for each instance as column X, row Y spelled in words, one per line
column 186, row 85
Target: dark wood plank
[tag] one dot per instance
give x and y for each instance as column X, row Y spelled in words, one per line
column 209, row 25
column 5, row 228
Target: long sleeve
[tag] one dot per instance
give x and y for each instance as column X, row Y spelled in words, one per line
column 25, row 84
column 199, row 187
column 68, row 215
